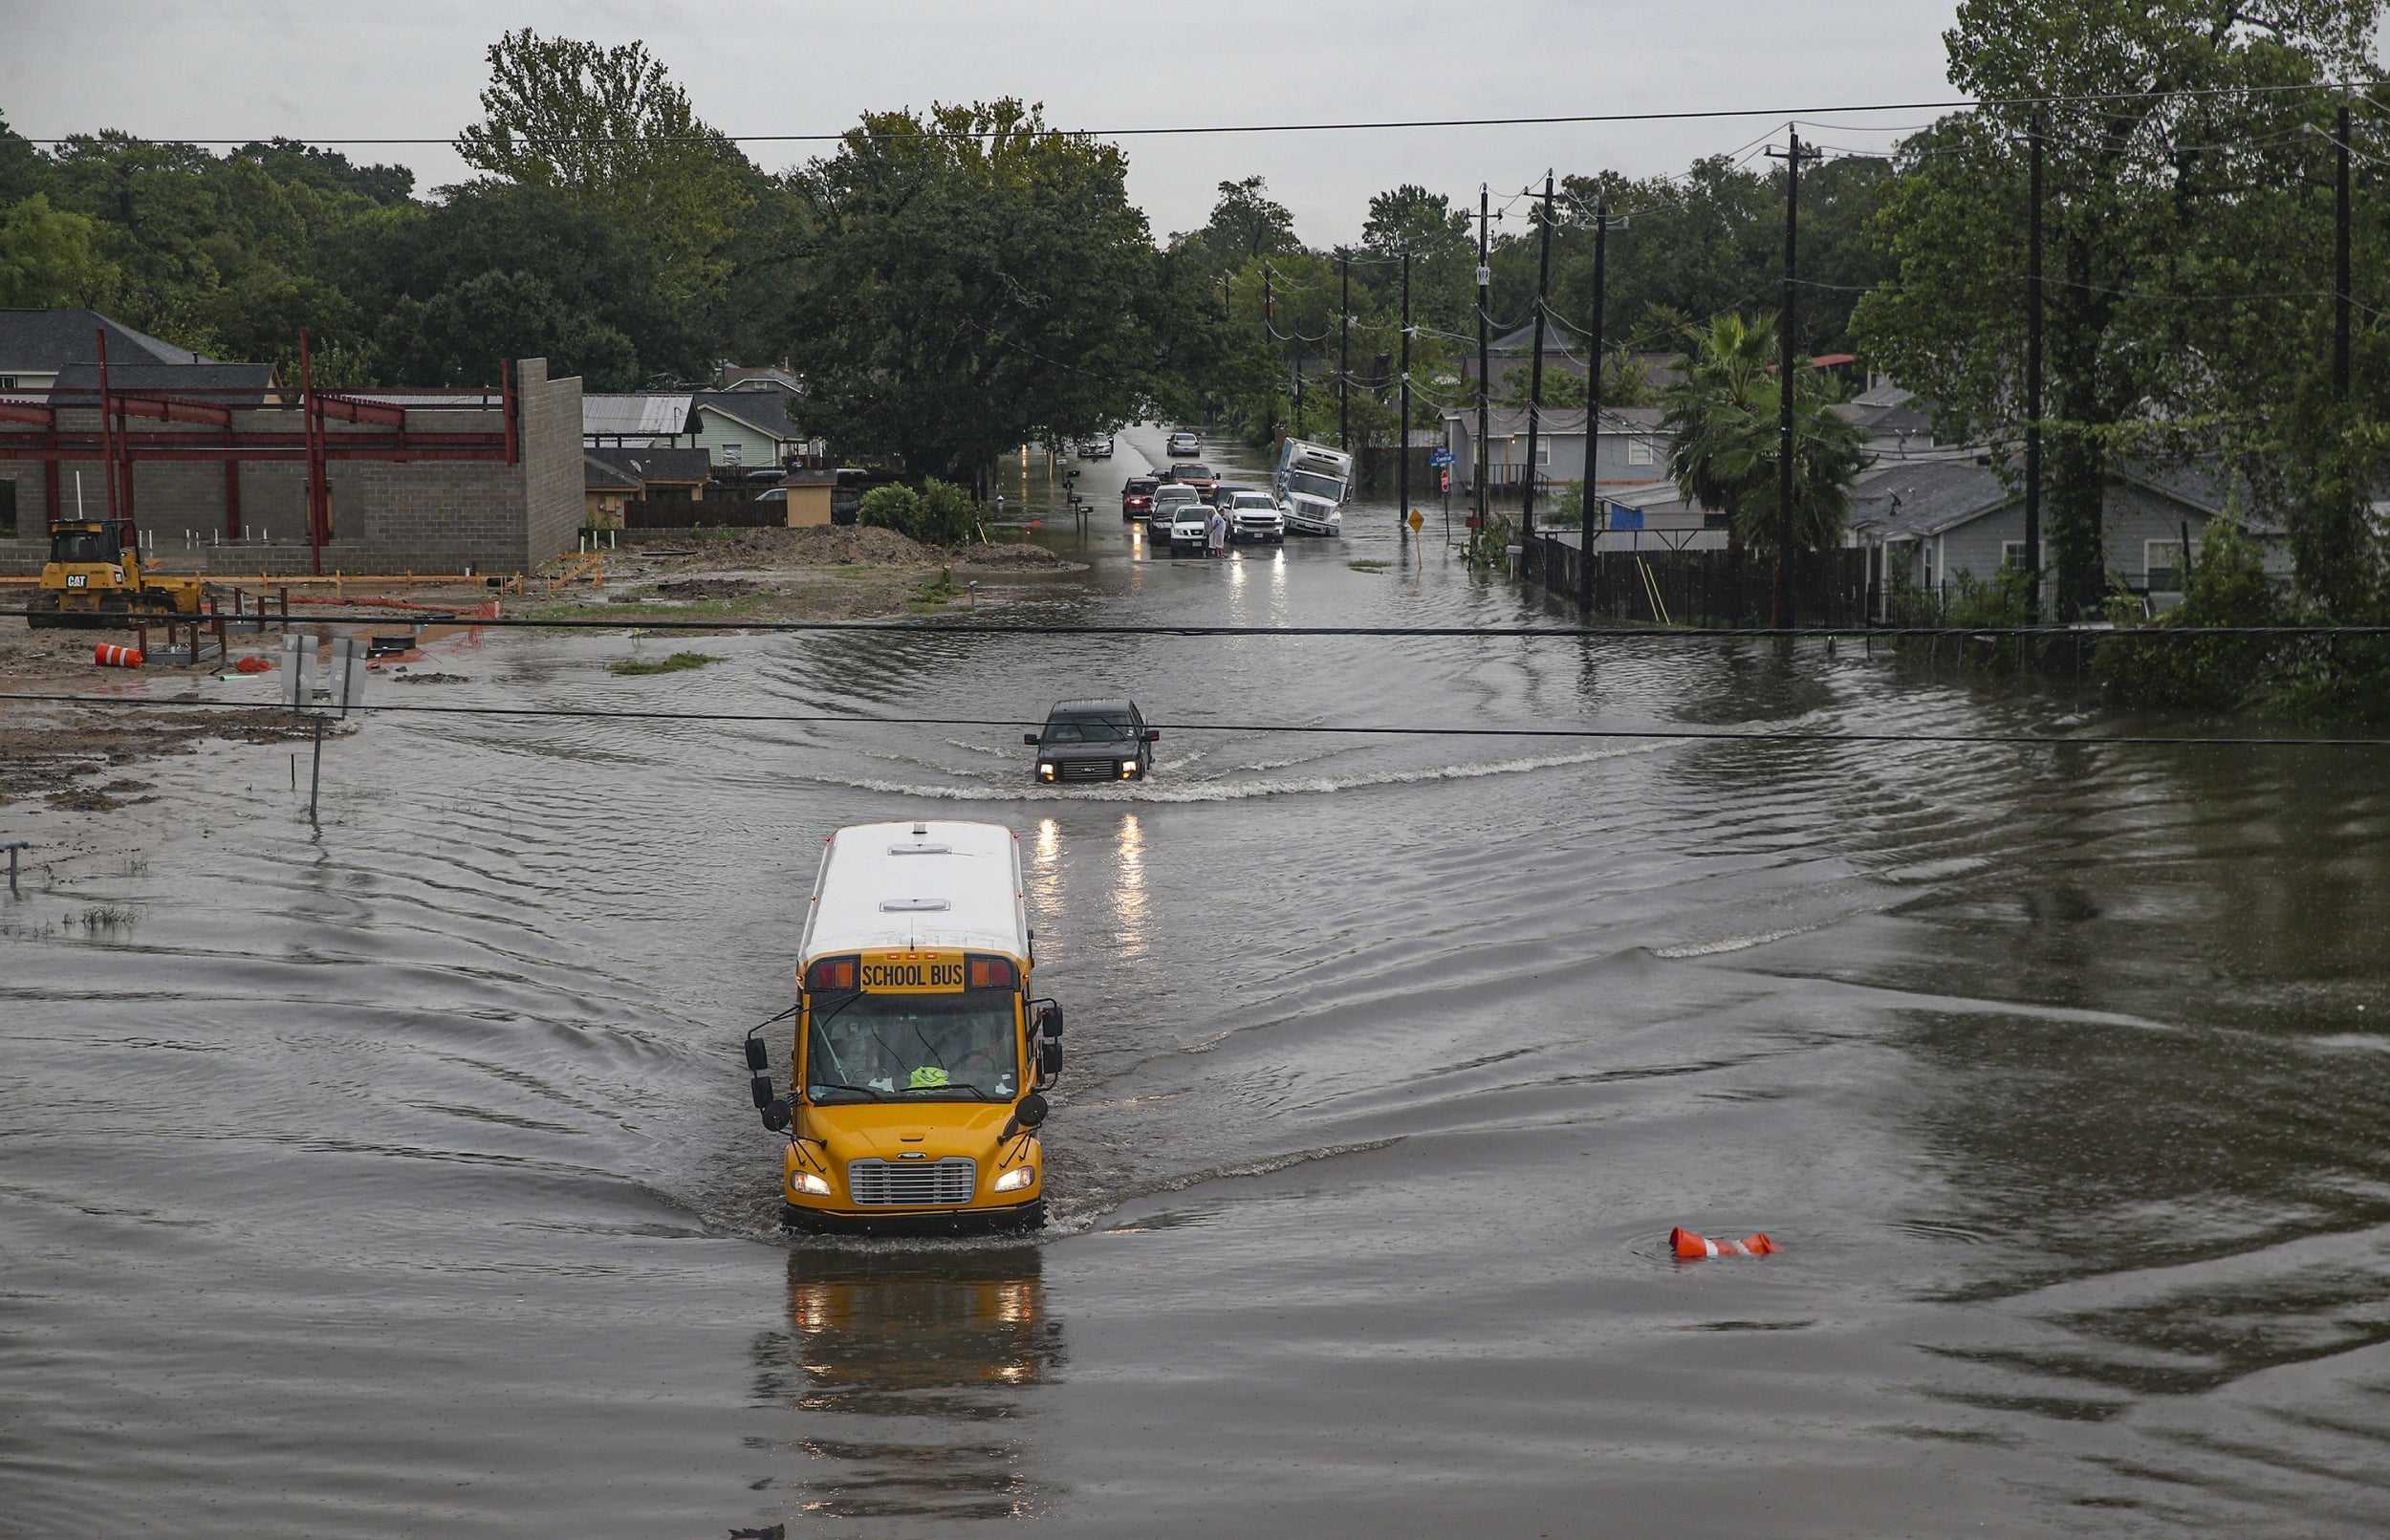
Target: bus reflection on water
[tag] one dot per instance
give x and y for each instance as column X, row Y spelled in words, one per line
column 928, row 1356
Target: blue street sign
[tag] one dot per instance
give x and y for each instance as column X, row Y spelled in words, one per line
column 1440, row 457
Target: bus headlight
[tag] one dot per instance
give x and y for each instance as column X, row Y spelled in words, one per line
column 1014, row 1180
column 806, row 1182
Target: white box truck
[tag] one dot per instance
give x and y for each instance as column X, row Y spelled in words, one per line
column 1313, row 481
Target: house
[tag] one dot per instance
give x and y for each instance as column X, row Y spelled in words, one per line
column 37, row 344
column 746, row 428
column 1928, row 522
column 204, row 382
column 613, row 479
column 1564, row 352
column 1632, row 453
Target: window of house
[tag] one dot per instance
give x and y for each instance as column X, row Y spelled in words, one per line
column 735, row 454
column 8, row 381
column 2162, row 561
column 2011, row 555
column 1543, row 451
column 8, row 510
column 1641, row 452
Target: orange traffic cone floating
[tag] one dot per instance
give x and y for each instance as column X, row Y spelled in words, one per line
column 108, row 655
column 1688, row 1246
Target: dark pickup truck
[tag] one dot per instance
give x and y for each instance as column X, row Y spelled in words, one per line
column 1089, row 741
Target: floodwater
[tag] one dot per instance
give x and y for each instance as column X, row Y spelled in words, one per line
column 399, row 1178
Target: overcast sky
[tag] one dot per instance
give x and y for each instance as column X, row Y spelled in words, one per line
column 334, row 68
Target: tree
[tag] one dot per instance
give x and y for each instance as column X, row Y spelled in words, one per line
column 607, row 125
column 1246, row 222
column 973, row 280
column 460, row 335
column 48, row 257
column 1728, row 444
column 2178, row 177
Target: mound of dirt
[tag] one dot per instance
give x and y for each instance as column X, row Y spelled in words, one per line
column 1024, row 555
column 828, row 545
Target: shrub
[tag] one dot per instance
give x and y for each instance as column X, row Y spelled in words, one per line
column 2227, row 587
column 940, row 515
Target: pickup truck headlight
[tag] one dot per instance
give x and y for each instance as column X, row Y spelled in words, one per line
column 806, row 1182
column 1045, row 771
column 1014, row 1180
column 1128, row 768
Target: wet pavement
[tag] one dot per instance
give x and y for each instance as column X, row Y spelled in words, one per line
column 399, row 1178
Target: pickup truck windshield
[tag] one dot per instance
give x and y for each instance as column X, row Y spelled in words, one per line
column 1089, row 731
column 913, row 1048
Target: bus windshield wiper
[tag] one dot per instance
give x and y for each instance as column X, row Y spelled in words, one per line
column 963, row 1087
column 840, row 1085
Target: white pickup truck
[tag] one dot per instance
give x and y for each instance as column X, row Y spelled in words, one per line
column 1256, row 516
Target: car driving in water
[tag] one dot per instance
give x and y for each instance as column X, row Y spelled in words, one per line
column 1086, row 741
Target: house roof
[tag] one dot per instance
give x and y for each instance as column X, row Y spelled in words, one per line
column 737, row 377
column 640, row 467
column 1907, row 418
column 217, row 385
column 1926, row 497
column 1558, row 422
column 1556, row 335
column 1929, row 497
column 766, row 411
column 640, row 415
column 43, row 341
column 599, row 476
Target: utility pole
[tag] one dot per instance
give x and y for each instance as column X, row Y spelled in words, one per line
column 1484, row 316
column 1536, row 371
column 1591, row 503
column 1344, row 351
column 2033, row 382
column 1403, row 432
column 1782, row 606
column 2341, row 265
column 1269, row 328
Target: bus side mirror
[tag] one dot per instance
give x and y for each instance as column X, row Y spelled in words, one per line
column 1047, row 1019
column 776, row 1116
column 1030, row 738
column 758, row 1056
column 1050, row 1059
column 761, row 1086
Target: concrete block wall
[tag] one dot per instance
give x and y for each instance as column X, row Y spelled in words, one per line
column 387, row 517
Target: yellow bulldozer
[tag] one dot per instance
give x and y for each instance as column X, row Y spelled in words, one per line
column 94, row 578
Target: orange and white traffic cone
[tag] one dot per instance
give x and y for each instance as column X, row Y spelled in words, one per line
column 1689, row 1246
column 109, row 655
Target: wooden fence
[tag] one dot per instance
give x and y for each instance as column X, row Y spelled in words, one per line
column 703, row 513
column 1727, row 588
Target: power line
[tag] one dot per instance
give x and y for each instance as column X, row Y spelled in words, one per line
column 1950, row 104
column 1555, row 633
column 1638, row 734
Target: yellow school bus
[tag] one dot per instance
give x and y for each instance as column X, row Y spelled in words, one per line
column 919, row 1055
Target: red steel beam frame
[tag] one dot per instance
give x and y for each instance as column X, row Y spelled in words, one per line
column 117, row 449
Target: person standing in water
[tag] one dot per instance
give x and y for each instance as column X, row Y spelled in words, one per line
column 1216, row 530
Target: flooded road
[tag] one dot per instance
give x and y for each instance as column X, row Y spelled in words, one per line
column 399, row 1178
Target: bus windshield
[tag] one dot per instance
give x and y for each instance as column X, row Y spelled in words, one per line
column 914, row 1047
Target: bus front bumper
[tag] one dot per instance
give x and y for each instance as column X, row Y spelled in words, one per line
column 978, row 1221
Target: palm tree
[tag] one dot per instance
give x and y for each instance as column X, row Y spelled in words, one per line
column 1724, row 416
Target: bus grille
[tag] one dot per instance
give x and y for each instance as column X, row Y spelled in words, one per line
column 913, row 1184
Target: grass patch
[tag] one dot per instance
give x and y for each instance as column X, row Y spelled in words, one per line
column 1369, row 566
column 674, row 664
column 106, row 917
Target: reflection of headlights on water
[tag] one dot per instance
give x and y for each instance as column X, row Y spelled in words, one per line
column 1014, row 1180
column 806, row 1182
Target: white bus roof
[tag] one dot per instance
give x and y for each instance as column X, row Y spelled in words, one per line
column 905, row 886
